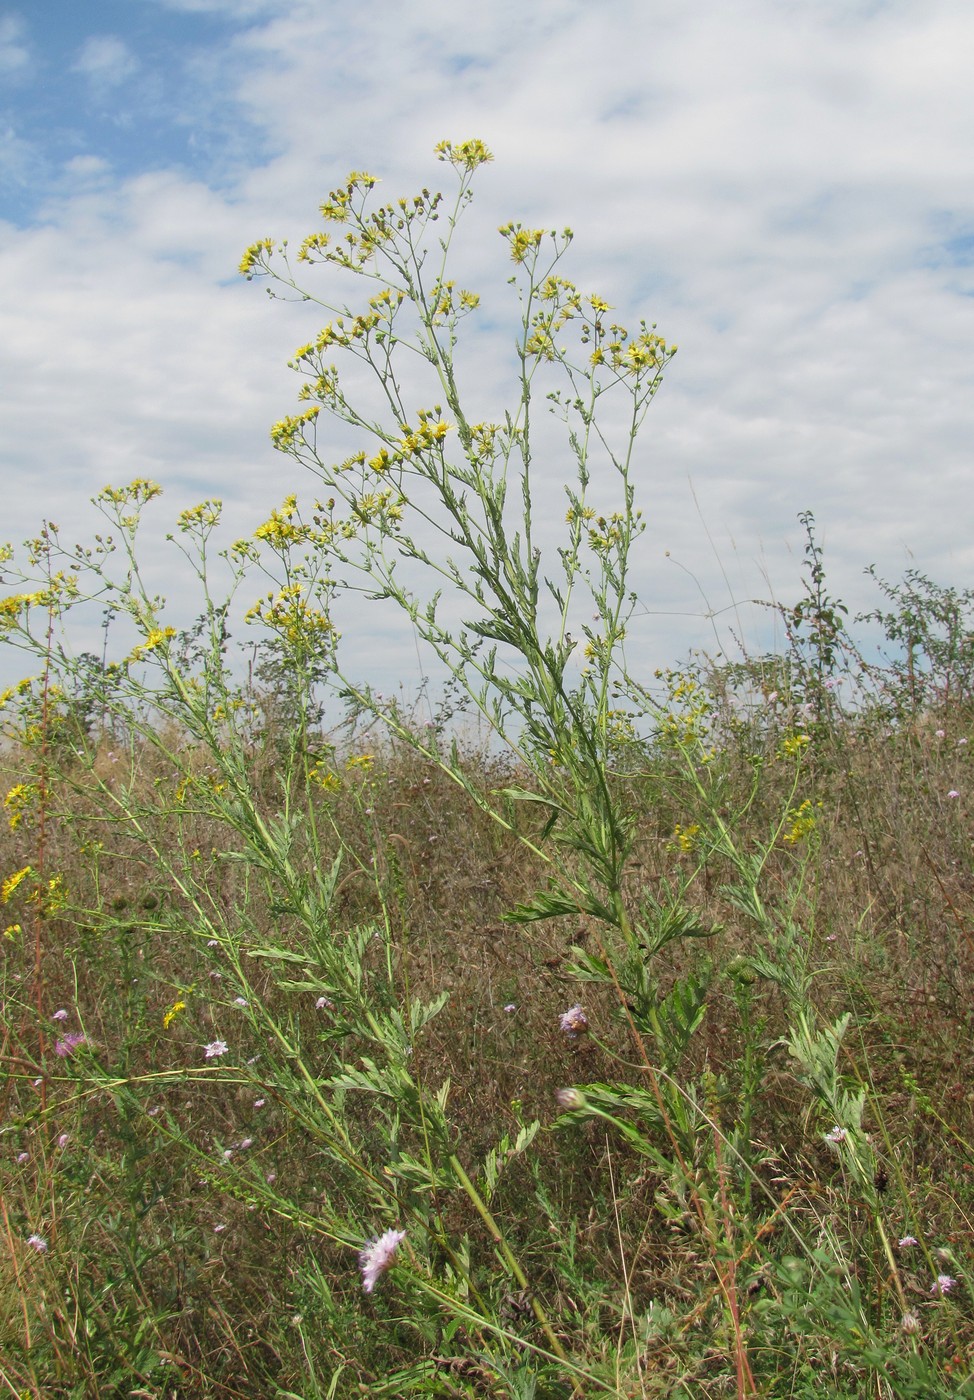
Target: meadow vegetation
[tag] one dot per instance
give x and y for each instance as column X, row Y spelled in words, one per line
column 594, row 1031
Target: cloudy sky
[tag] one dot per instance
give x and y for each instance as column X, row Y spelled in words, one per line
column 783, row 185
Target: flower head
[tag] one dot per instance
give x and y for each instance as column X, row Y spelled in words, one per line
column 377, row 1256
column 215, row 1049
column 570, row 1098
column 942, row 1284
column 910, row 1323
column 37, row 1242
column 69, row 1044
column 953, row 793
column 906, row 1241
column 60, row 1015
column 837, row 1134
column 574, row 1022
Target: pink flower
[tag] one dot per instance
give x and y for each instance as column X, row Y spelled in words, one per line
column 906, row 1241
column 574, row 1022
column 377, row 1256
column 942, row 1284
column 37, row 1242
column 570, row 1098
column 953, row 793
column 836, row 1135
column 63, row 1141
column 61, row 1015
column 69, row 1044
column 215, row 1049
column 323, row 1004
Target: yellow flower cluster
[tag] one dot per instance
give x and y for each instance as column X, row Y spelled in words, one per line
column 792, row 745
column 12, row 883
column 289, row 615
column 155, row 638
column 803, row 820
column 255, row 257
column 137, row 493
column 428, row 434
column 204, row 516
column 17, row 801
column 684, row 838
column 281, row 531
column 466, row 155
column 285, row 434
column 522, row 241
column 172, row 1013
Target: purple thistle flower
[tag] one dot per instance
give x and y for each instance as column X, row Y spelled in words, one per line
column 942, row 1284
column 69, row 1044
column 37, row 1242
column 573, row 1022
column 377, row 1256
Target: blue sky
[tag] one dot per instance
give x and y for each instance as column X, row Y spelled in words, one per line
column 783, row 185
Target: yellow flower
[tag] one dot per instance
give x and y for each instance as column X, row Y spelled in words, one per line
column 12, row 881
column 172, row 1013
column 792, row 746
column 17, row 801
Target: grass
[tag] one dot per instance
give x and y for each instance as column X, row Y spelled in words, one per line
column 180, row 1262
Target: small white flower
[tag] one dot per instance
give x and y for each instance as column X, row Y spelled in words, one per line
column 837, row 1134
column 377, row 1256
column 323, row 1004
column 240, row 1001
column 510, row 1007
column 215, row 1049
column 259, row 1103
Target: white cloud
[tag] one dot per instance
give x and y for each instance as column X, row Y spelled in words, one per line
column 106, row 61
column 14, row 54
column 782, row 186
